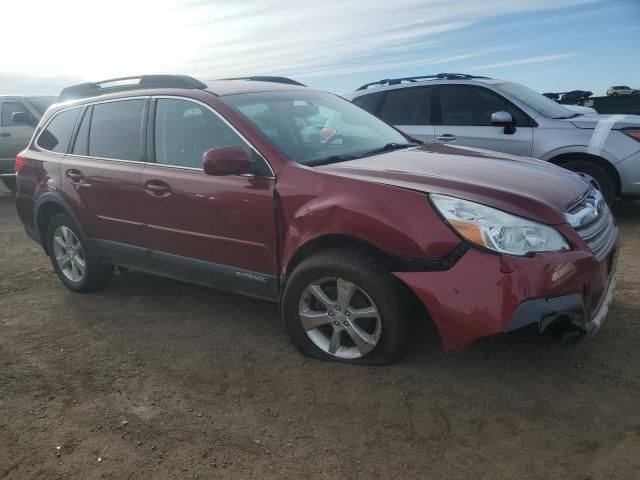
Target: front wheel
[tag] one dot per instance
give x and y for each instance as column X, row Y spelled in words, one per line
column 343, row 306
column 596, row 175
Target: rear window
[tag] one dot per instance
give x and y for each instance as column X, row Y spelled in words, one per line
column 368, row 102
column 116, row 129
column 407, row 106
column 56, row 136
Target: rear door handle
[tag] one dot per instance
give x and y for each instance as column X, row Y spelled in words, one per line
column 157, row 188
column 447, row 137
column 74, row 175
column 5, row 134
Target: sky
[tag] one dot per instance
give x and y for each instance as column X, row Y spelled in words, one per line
column 548, row 45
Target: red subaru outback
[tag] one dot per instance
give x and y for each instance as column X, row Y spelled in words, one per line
column 300, row 197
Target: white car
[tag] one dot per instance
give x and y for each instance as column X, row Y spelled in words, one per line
column 621, row 90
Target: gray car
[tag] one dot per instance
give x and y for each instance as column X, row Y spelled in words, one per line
column 19, row 116
column 507, row 117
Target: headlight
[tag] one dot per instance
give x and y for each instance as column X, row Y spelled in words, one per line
column 497, row 230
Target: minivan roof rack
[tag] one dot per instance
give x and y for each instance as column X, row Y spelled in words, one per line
column 112, row 85
column 437, row 76
column 268, row 78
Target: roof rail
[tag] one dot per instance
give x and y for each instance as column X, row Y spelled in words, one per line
column 92, row 89
column 437, row 76
column 263, row 78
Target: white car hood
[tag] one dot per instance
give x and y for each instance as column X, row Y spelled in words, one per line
column 618, row 121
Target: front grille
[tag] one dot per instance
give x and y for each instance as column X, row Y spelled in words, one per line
column 593, row 221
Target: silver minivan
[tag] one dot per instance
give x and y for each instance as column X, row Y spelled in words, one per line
column 492, row 114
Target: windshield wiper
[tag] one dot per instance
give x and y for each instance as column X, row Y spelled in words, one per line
column 330, row 159
column 389, row 147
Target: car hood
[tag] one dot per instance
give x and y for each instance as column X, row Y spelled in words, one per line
column 522, row 186
column 619, row 121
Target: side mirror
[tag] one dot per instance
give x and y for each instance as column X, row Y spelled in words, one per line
column 22, row 118
column 503, row 119
column 231, row 160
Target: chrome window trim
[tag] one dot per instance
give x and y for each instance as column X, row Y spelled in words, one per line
column 226, row 122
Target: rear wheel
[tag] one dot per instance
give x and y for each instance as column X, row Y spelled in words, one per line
column 596, row 175
column 70, row 257
column 341, row 305
column 10, row 183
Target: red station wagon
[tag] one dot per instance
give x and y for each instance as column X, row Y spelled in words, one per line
column 300, row 197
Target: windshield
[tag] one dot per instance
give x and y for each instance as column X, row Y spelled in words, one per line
column 309, row 127
column 41, row 103
column 541, row 104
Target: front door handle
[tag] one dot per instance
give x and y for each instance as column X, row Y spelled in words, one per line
column 447, row 137
column 74, row 175
column 5, row 134
column 157, row 188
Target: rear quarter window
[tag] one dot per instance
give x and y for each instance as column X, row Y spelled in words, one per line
column 56, row 136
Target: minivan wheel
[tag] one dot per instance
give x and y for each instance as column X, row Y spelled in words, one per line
column 70, row 258
column 341, row 305
column 596, row 175
column 10, row 183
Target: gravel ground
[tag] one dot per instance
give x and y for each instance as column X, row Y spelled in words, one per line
column 157, row 379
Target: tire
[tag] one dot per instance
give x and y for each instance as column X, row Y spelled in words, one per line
column 96, row 275
column 10, row 183
column 374, row 286
column 614, row 94
column 605, row 182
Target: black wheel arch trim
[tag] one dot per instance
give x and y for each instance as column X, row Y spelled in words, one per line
column 48, row 198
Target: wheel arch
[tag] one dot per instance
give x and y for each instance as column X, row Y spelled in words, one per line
column 47, row 206
column 600, row 161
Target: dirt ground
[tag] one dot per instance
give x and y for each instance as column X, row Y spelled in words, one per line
column 156, row 379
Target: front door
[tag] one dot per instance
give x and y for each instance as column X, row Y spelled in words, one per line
column 465, row 119
column 218, row 231
column 14, row 136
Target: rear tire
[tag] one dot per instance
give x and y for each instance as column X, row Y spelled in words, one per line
column 364, row 337
column 10, row 183
column 70, row 257
column 603, row 180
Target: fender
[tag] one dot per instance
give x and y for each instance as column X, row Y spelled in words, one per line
column 46, row 199
column 578, row 149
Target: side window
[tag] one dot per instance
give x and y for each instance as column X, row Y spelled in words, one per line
column 185, row 130
column 116, row 129
column 368, row 102
column 472, row 106
column 56, row 136
column 8, row 109
column 81, row 146
column 407, row 106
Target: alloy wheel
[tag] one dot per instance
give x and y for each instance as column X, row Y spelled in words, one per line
column 69, row 254
column 340, row 318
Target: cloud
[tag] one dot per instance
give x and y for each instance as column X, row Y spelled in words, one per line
column 525, row 61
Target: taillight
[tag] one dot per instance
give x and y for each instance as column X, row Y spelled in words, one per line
column 21, row 161
column 635, row 134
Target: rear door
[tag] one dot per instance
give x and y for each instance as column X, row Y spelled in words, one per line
column 465, row 119
column 409, row 110
column 214, row 230
column 102, row 177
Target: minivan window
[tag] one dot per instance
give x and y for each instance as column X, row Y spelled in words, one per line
column 185, row 130
column 56, row 136
column 466, row 105
column 8, row 109
column 116, row 129
column 369, row 102
column 407, row 106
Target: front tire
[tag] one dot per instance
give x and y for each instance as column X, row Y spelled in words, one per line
column 70, row 257
column 344, row 306
column 596, row 175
